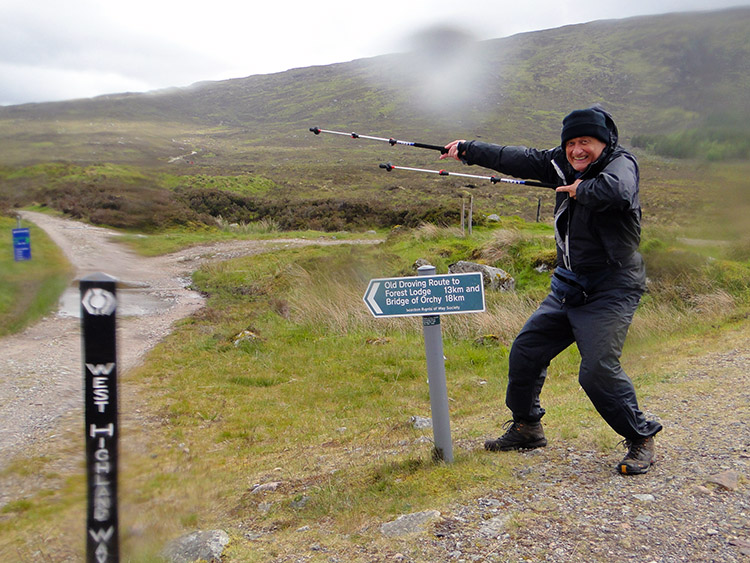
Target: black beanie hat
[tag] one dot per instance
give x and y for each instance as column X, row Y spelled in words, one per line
column 584, row 123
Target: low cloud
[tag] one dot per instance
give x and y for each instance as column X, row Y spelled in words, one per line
column 42, row 84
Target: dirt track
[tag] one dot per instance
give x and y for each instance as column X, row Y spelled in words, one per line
column 40, row 368
column 694, row 505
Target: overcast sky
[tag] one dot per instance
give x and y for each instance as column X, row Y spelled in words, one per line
column 52, row 50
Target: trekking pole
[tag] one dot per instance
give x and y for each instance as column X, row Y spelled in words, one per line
column 391, row 141
column 494, row 179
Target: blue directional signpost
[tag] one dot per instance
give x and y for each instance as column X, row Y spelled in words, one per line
column 21, row 244
column 429, row 296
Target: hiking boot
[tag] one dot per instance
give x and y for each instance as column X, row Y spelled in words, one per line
column 518, row 436
column 640, row 456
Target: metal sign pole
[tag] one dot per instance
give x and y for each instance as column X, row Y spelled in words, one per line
column 433, row 344
column 98, row 312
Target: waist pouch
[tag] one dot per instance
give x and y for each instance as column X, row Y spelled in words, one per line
column 574, row 290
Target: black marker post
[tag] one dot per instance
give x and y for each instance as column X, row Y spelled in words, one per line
column 98, row 312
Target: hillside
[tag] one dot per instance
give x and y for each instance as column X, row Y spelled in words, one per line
column 657, row 75
column 653, row 72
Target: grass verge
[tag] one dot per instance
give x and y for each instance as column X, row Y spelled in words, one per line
column 282, row 411
column 29, row 289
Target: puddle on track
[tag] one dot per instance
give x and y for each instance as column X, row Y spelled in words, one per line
column 130, row 303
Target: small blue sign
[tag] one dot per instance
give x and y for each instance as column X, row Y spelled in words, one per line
column 21, row 244
column 443, row 294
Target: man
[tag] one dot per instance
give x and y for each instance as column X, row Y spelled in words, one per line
column 596, row 286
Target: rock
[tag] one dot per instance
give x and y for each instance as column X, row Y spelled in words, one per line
column 727, row 479
column 494, row 217
column 420, row 423
column 266, row 487
column 743, row 544
column 198, row 546
column 300, row 502
column 493, row 278
column 644, row 498
column 409, row 523
column 494, row 526
column 264, row 507
column 739, row 542
column 419, row 262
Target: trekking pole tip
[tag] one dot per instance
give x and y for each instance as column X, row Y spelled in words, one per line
column 315, row 130
column 387, row 165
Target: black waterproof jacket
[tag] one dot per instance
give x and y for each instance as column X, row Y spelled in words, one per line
column 603, row 222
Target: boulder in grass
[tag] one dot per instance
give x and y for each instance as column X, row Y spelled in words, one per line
column 409, row 523
column 493, row 278
column 198, row 546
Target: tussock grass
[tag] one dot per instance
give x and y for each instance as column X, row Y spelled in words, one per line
column 430, row 232
column 263, row 226
column 316, row 401
column 327, row 392
column 503, row 318
column 333, row 305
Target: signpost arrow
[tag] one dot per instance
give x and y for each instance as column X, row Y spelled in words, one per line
column 444, row 294
column 370, row 298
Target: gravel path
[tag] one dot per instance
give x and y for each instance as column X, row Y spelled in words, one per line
column 693, row 506
column 41, row 375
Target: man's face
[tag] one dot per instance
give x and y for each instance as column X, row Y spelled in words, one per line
column 582, row 151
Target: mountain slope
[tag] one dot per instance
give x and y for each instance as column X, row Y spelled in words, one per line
column 656, row 74
column 675, row 68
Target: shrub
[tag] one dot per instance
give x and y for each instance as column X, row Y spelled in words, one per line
column 713, row 143
column 739, row 250
column 127, row 206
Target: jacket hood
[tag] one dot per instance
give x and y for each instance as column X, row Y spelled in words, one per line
column 614, row 134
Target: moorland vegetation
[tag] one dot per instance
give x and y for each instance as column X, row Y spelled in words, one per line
column 319, row 399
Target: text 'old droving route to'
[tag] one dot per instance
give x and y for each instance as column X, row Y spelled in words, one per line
column 425, row 295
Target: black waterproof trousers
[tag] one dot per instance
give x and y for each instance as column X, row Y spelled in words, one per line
column 598, row 328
